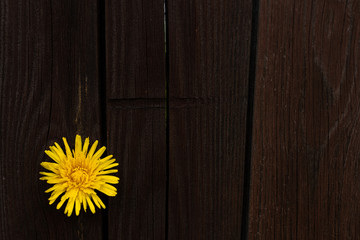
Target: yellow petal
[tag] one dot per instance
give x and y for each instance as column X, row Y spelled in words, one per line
column 59, row 151
column 111, row 187
column 95, row 200
column 92, row 149
column 98, row 201
column 108, row 190
column 86, row 146
column 57, row 186
column 53, row 156
column 77, row 144
column 77, row 207
column 73, row 193
column 52, row 188
column 62, row 200
column 88, row 191
column 98, row 154
column 67, row 148
column 110, row 166
column 54, row 196
column 103, row 164
column 96, row 184
column 108, row 172
column 83, row 199
column 109, row 179
column 70, row 206
column 54, row 167
column 91, row 205
column 55, row 180
column 106, row 158
column 56, row 151
column 49, row 174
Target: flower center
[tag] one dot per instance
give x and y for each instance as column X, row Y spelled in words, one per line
column 79, row 176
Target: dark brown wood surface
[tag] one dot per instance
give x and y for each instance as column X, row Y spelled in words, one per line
column 137, row 138
column 49, row 81
column 135, row 49
column 305, row 166
column 209, row 52
column 179, row 122
column 136, row 124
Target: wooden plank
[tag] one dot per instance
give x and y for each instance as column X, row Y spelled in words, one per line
column 136, row 125
column 209, row 49
column 305, row 165
column 48, row 84
column 135, row 49
column 137, row 139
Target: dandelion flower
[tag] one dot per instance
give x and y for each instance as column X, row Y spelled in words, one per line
column 77, row 174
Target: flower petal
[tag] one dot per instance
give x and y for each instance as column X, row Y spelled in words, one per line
column 104, row 163
column 52, row 188
column 109, row 179
column 77, row 206
column 107, row 158
column 67, row 148
column 55, row 194
column 110, row 166
column 53, row 156
column 55, row 180
column 86, row 146
column 59, row 151
column 98, row 154
column 92, row 149
column 70, row 207
column 108, row 172
column 88, row 191
column 49, row 174
column 91, row 205
column 54, row 167
column 83, row 199
column 98, row 201
column 108, row 190
column 57, row 186
column 62, row 200
column 95, row 200
column 77, row 145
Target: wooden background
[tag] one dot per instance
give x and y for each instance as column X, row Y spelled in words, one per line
column 229, row 119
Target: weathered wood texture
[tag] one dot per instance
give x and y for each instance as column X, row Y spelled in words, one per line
column 305, row 166
column 136, row 125
column 209, row 49
column 135, row 49
column 48, row 83
column 137, row 138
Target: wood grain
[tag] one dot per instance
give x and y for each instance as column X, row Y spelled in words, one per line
column 136, row 124
column 209, row 49
column 305, row 165
column 48, row 87
column 137, row 138
column 135, row 49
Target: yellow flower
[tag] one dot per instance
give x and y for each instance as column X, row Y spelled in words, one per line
column 78, row 174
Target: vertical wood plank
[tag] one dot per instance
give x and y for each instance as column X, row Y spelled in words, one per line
column 48, row 89
column 209, row 50
column 137, row 139
column 135, row 49
column 136, row 125
column 305, row 166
